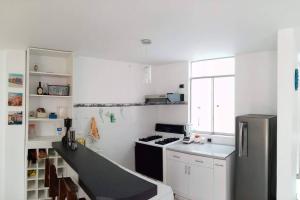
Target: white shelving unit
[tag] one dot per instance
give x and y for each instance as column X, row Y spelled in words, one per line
column 36, row 184
column 54, row 68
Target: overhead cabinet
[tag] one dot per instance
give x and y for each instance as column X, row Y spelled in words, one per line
column 199, row 178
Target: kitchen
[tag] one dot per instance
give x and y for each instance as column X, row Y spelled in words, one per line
column 113, row 92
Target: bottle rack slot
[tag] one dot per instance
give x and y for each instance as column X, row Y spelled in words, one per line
column 36, row 160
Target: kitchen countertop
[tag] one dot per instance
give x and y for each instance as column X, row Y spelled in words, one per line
column 103, row 179
column 208, row 150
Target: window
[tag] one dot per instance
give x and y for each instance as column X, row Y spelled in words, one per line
column 212, row 95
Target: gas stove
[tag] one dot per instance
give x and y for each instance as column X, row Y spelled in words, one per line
column 150, row 151
column 150, row 138
column 166, row 141
column 158, row 140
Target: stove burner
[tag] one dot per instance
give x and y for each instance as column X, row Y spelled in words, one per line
column 166, row 141
column 150, row 138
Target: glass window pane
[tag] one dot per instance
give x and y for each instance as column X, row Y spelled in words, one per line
column 217, row 67
column 201, row 104
column 224, row 105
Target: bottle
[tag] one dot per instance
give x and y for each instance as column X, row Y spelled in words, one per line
column 39, row 89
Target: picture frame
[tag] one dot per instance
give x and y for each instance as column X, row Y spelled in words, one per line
column 15, row 99
column 15, row 80
column 59, row 90
column 15, row 118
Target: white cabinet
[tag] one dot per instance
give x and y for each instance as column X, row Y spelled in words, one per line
column 220, row 185
column 201, row 183
column 177, row 176
column 199, row 178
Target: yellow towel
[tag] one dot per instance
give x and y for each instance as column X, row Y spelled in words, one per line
column 94, row 130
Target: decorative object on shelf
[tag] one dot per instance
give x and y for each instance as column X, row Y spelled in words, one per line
column 32, row 114
column 31, row 130
column 94, row 133
column 59, row 131
column 15, row 99
column 32, row 156
column 45, row 89
column 42, row 153
column 41, row 113
column 15, row 118
column 52, row 115
column 39, row 89
column 31, row 173
column 296, row 81
column 15, row 80
column 59, row 90
column 62, row 111
column 35, row 68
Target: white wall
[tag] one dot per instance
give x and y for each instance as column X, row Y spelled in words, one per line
column 106, row 81
column 256, row 83
column 167, row 78
column 2, row 120
column 288, row 117
column 14, row 159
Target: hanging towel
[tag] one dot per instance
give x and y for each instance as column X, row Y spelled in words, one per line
column 94, row 130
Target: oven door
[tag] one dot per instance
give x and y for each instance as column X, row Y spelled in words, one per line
column 149, row 160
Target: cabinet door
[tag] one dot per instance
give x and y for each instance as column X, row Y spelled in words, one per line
column 177, row 177
column 220, row 184
column 201, row 183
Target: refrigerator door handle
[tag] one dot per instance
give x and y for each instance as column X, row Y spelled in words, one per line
column 243, row 139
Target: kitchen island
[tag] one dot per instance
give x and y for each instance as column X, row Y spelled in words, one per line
column 102, row 179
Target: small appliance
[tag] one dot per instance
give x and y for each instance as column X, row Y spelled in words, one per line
column 164, row 98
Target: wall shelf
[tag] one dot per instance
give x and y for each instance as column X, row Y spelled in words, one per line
column 45, row 138
column 44, row 120
column 54, row 68
column 125, row 104
column 49, row 96
column 33, row 73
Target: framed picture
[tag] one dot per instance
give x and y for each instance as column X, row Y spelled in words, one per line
column 15, row 118
column 15, row 80
column 15, row 99
column 59, row 90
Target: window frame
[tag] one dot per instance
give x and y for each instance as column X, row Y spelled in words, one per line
column 191, row 78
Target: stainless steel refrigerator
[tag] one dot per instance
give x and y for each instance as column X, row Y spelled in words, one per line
column 255, row 166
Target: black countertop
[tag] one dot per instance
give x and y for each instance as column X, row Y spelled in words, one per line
column 103, row 180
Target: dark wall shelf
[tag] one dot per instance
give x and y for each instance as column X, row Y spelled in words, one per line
column 123, row 104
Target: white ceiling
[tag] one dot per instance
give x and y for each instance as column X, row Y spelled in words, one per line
column 179, row 29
